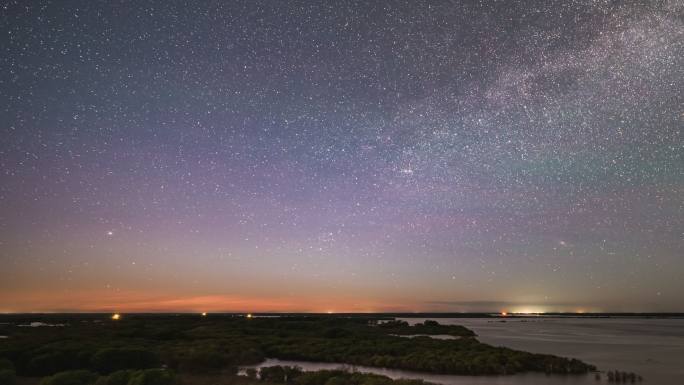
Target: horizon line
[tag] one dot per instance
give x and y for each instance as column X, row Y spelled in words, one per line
column 495, row 313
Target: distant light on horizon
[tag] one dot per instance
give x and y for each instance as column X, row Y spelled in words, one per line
column 116, row 316
column 529, row 310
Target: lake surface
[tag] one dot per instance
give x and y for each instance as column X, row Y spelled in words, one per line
column 653, row 348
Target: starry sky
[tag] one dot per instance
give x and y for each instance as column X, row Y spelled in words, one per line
column 341, row 155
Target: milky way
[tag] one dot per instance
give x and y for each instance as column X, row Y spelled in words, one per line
column 342, row 156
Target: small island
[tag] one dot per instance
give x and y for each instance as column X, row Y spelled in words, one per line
column 96, row 347
column 427, row 328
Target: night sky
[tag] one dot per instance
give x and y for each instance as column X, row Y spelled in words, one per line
column 341, row 155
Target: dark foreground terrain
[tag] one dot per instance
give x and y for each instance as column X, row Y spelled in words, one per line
column 195, row 349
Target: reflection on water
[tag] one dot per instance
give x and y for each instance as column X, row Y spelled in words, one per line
column 652, row 348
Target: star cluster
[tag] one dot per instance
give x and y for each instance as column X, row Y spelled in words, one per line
column 342, row 156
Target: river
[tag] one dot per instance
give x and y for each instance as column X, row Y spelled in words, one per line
column 653, row 348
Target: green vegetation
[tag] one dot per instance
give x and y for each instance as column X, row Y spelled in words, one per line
column 152, row 377
column 72, row 377
column 294, row 375
column 122, row 377
column 464, row 356
column 6, row 364
column 428, row 327
column 205, row 360
column 7, row 373
column 7, row 377
column 113, row 359
column 118, row 352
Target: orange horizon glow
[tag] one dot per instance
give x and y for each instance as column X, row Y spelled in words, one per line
column 121, row 302
column 134, row 302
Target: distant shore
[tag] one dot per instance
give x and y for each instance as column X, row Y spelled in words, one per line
column 14, row 316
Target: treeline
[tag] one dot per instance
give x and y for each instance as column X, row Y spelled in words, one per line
column 464, row 356
column 56, row 357
column 196, row 344
column 200, row 357
column 618, row 376
column 122, row 377
column 428, row 327
column 295, row 376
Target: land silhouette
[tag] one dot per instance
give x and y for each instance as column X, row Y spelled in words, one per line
column 181, row 349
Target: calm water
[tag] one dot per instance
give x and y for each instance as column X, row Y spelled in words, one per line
column 653, row 348
column 650, row 347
